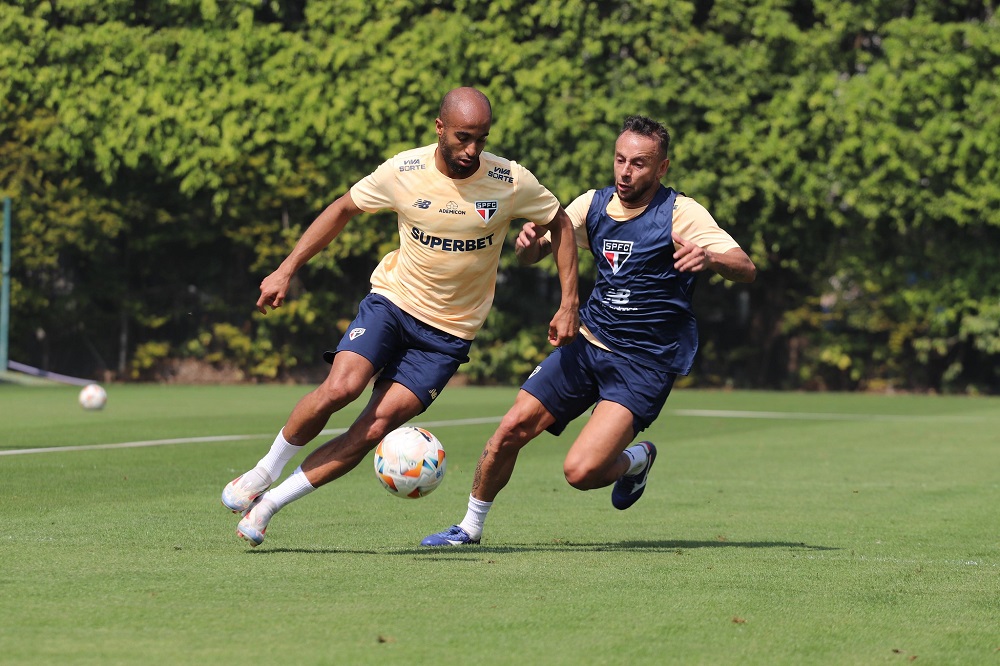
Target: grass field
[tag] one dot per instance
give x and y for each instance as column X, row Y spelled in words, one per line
column 777, row 529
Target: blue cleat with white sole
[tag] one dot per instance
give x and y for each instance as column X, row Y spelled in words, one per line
column 453, row 536
column 629, row 489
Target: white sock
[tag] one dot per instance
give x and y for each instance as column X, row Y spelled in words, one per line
column 294, row 487
column 637, row 456
column 281, row 452
column 475, row 517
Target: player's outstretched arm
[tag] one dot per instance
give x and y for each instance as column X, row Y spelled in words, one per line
column 733, row 264
column 566, row 322
column 326, row 227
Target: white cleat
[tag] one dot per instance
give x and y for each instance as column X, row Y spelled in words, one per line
column 240, row 493
column 254, row 523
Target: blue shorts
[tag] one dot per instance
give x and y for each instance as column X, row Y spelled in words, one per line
column 402, row 348
column 578, row 376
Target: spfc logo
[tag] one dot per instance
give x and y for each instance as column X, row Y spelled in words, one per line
column 617, row 253
column 486, row 209
column 356, row 333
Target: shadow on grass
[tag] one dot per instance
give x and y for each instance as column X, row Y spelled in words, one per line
column 669, row 546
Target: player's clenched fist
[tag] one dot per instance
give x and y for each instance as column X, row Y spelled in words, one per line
column 272, row 292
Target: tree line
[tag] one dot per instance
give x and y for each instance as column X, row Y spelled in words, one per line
column 164, row 157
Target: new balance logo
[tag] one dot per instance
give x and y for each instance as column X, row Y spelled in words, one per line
column 617, row 296
column 422, row 203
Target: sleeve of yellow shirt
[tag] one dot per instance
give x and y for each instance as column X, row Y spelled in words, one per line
column 532, row 201
column 577, row 212
column 694, row 223
column 374, row 192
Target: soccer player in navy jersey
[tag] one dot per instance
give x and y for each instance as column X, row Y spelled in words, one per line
column 638, row 330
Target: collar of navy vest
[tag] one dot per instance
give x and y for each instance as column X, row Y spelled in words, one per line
column 603, row 197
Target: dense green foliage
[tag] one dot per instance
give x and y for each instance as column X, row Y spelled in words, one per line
column 164, row 157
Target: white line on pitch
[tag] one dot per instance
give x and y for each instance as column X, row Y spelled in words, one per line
column 698, row 413
column 221, row 438
column 817, row 416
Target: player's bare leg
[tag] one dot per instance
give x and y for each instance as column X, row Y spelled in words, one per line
column 348, row 377
column 601, row 455
column 524, row 421
column 596, row 458
column 391, row 406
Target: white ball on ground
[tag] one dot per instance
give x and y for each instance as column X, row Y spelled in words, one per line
column 410, row 462
column 93, row 397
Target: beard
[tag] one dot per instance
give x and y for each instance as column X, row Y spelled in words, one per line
column 451, row 158
column 631, row 195
column 636, row 192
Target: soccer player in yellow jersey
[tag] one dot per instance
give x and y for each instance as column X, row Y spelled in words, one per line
column 454, row 205
column 638, row 330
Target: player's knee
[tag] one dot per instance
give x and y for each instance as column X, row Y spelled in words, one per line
column 331, row 396
column 581, row 475
column 521, row 424
column 510, row 436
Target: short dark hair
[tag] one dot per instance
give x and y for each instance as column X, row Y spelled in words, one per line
column 644, row 126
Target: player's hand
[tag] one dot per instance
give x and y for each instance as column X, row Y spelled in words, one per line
column 529, row 244
column 689, row 258
column 564, row 326
column 530, row 233
column 272, row 291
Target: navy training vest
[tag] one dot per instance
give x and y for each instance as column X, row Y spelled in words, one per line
column 641, row 305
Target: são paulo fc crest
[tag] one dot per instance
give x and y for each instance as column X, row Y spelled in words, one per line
column 356, row 333
column 486, row 209
column 617, row 253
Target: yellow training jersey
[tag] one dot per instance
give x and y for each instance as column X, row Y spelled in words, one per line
column 451, row 233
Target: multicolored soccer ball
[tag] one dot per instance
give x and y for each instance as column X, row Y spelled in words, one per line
column 92, row 397
column 410, row 462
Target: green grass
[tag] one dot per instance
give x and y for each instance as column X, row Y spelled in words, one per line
column 866, row 537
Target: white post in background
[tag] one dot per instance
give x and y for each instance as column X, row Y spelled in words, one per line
column 5, row 288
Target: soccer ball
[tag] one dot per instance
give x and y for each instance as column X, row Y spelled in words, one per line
column 409, row 462
column 93, row 397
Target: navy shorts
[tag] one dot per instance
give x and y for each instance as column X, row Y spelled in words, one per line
column 403, row 348
column 578, row 376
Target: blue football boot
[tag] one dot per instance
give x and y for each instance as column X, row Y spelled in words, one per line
column 453, row 536
column 629, row 489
